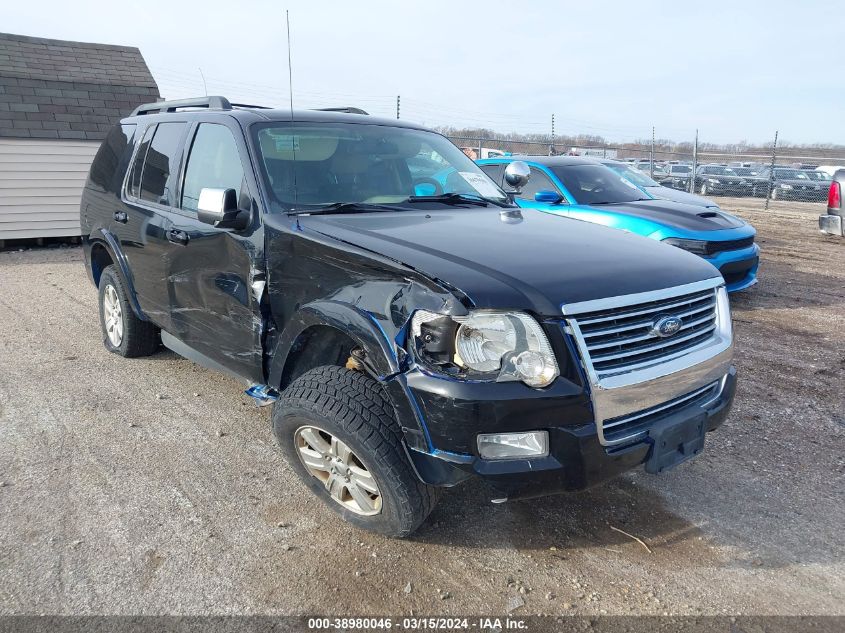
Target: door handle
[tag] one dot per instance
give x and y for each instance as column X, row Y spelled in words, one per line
column 177, row 237
column 120, row 216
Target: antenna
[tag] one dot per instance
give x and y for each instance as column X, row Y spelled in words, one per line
column 204, row 85
column 292, row 140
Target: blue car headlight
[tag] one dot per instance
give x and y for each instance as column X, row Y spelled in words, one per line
column 697, row 247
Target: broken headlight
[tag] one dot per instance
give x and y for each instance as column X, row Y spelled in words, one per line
column 503, row 346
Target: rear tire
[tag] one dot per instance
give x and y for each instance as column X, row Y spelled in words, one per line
column 339, row 433
column 123, row 332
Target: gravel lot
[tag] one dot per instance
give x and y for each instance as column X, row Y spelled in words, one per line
column 154, row 485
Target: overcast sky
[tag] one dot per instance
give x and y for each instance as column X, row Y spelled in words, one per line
column 735, row 70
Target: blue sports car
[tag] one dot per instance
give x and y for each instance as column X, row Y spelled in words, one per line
column 585, row 189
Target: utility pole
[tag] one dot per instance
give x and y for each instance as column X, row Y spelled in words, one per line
column 694, row 164
column 772, row 170
column 552, row 144
column 397, row 106
column 651, row 159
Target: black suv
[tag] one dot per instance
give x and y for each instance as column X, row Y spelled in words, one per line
column 410, row 325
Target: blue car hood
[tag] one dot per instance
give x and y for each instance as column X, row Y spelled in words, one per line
column 666, row 193
column 677, row 214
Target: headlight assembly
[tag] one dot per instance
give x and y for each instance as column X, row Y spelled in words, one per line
column 697, row 247
column 501, row 346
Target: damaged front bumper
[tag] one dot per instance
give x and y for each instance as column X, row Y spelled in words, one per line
column 457, row 412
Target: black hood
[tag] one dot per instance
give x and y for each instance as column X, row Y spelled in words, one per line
column 522, row 260
column 690, row 217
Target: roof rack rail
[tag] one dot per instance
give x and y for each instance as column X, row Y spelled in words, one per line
column 250, row 105
column 212, row 103
column 346, row 109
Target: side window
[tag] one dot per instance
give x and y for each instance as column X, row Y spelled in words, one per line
column 539, row 181
column 134, row 186
column 104, row 169
column 161, row 163
column 214, row 163
column 494, row 172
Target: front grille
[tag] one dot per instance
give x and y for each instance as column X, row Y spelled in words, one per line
column 623, row 338
column 729, row 245
column 635, row 427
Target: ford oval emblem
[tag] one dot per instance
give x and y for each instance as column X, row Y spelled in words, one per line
column 666, row 326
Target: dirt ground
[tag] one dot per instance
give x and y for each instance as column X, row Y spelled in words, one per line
column 154, row 486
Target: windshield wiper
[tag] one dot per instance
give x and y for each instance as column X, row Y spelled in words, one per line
column 459, row 198
column 342, row 207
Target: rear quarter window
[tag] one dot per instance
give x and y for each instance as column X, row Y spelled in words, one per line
column 111, row 159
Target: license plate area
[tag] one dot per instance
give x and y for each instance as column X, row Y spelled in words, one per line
column 674, row 442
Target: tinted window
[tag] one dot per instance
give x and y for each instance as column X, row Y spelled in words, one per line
column 138, row 165
column 538, row 182
column 213, row 163
column 718, row 171
column 790, row 174
column 680, row 169
column 105, row 165
column 632, row 175
column 494, row 171
column 160, row 163
column 590, row 184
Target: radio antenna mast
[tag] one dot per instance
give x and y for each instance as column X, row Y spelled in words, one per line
column 292, row 139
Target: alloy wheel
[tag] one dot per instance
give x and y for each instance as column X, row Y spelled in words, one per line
column 342, row 473
column 113, row 316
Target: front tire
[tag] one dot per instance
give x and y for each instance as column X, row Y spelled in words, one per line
column 339, row 433
column 123, row 332
column 703, row 189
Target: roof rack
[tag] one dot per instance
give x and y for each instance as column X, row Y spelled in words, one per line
column 212, row 103
column 346, row 109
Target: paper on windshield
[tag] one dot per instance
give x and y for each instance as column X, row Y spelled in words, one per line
column 481, row 184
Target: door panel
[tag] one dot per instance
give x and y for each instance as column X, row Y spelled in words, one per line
column 212, row 306
column 210, row 271
column 143, row 231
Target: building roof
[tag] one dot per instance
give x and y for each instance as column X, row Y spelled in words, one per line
column 68, row 90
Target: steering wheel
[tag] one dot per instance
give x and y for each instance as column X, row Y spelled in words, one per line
column 438, row 188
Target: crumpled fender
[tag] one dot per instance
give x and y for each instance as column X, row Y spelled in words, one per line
column 384, row 356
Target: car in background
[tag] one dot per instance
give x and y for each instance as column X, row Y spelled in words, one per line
column 831, row 222
column 677, row 177
column 794, row 184
column 759, row 184
column 830, row 170
column 585, row 189
column 654, row 188
column 720, row 180
column 819, row 176
column 644, row 166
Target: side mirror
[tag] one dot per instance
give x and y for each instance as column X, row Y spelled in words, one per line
column 517, row 174
column 548, row 197
column 219, row 207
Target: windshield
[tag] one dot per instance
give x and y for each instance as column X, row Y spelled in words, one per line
column 597, row 184
column 791, row 174
column 817, row 175
column 680, row 169
column 718, row 171
column 743, row 171
column 632, row 175
column 362, row 163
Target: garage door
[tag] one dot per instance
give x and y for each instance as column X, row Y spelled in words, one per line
column 40, row 186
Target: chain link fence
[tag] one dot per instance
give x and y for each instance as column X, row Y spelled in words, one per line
column 761, row 176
